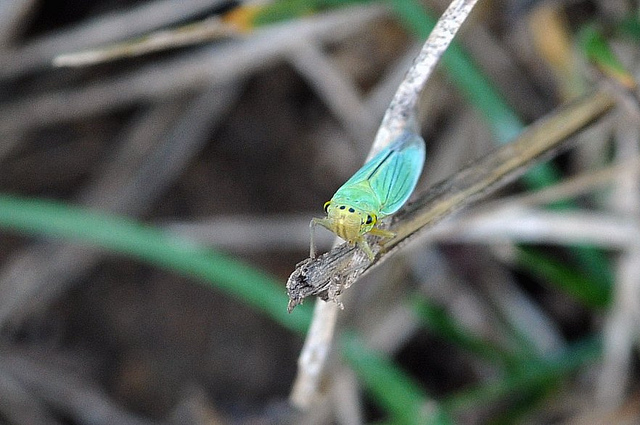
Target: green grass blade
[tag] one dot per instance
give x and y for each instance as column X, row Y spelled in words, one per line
column 597, row 49
column 392, row 389
column 35, row 217
column 534, row 376
column 282, row 10
column 629, row 26
column 145, row 243
column 443, row 325
column 505, row 125
column 591, row 293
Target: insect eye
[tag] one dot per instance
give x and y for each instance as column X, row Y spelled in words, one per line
column 326, row 206
column 370, row 219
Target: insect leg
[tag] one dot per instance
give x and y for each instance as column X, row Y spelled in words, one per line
column 312, row 232
column 364, row 246
column 386, row 234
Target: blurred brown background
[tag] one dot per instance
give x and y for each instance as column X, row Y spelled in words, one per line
column 236, row 143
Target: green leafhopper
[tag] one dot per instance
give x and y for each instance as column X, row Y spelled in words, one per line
column 378, row 189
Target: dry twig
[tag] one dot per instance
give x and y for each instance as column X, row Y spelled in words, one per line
column 399, row 116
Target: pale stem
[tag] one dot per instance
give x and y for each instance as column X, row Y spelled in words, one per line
column 399, row 115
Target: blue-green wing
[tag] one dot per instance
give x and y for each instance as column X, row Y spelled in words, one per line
column 393, row 174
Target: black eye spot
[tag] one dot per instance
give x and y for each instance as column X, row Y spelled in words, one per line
column 369, row 219
column 326, row 206
column 351, row 210
column 342, row 207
